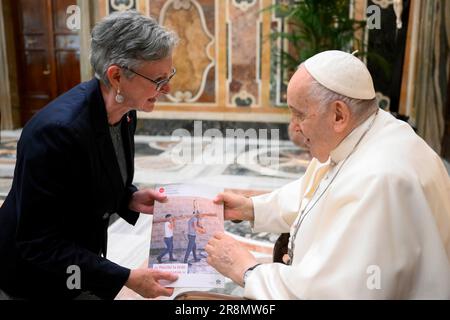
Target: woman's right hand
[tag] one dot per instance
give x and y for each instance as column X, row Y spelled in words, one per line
column 145, row 282
column 236, row 207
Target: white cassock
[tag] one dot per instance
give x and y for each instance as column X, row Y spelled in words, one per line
column 381, row 230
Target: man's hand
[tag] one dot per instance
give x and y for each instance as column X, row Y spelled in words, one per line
column 236, row 207
column 228, row 257
column 145, row 282
column 144, row 200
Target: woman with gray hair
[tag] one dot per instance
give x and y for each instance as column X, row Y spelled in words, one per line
column 75, row 169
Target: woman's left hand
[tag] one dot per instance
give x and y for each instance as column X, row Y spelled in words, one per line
column 143, row 200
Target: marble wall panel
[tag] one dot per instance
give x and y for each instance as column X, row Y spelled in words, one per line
column 223, row 59
column 244, row 19
column 196, row 55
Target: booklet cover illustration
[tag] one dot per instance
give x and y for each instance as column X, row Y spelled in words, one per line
column 181, row 229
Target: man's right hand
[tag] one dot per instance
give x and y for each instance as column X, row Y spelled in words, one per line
column 236, row 207
column 145, row 282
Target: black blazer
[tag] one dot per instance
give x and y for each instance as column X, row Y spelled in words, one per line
column 67, row 183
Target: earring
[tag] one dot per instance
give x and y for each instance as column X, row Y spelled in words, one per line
column 119, row 97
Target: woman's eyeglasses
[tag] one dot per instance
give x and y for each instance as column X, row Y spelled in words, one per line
column 159, row 83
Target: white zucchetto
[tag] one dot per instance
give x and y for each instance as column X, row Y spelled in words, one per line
column 342, row 73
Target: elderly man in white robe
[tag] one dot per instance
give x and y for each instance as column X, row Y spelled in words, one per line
column 370, row 219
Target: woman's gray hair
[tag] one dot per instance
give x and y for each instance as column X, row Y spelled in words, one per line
column 128, row 39
column 359, row 108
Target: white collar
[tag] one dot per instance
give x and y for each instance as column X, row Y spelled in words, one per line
column 349, row 143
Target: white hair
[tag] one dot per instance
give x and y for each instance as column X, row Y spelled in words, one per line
column 360, row 108
column 128, row 39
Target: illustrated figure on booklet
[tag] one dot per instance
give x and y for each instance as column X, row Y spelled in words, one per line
column 169, row 227
column 194, row 227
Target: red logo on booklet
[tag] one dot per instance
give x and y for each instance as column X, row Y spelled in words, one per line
column 161, row 190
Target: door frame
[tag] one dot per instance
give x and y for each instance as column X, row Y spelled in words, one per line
column 88, row 11
column 6, row 122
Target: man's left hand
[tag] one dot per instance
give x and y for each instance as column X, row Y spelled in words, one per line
column 228, row 257
column 143, row 200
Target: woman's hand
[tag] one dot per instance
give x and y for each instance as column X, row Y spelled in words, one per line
column 143, row 200
column 145, row 282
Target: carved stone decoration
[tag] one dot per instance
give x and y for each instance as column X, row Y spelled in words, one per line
column 384, row 102
column 121, row 5
column 383, row 3
column 243, row 99
column 182, row 4
column 244, row 5
column 194, row 57
column 183, row 96
column 398, row 9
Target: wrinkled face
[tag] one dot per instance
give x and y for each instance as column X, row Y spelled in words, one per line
column 308, row 119
column 141, row 93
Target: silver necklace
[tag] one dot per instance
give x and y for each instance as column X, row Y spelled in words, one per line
column 308, row 208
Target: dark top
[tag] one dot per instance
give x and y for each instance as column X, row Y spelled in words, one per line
column 116, row 137
column 67, row 183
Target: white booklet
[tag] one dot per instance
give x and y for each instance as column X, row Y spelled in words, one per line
column 181, row 229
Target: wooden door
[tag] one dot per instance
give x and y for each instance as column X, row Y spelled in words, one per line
column 66, row 48
column 48, row 54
